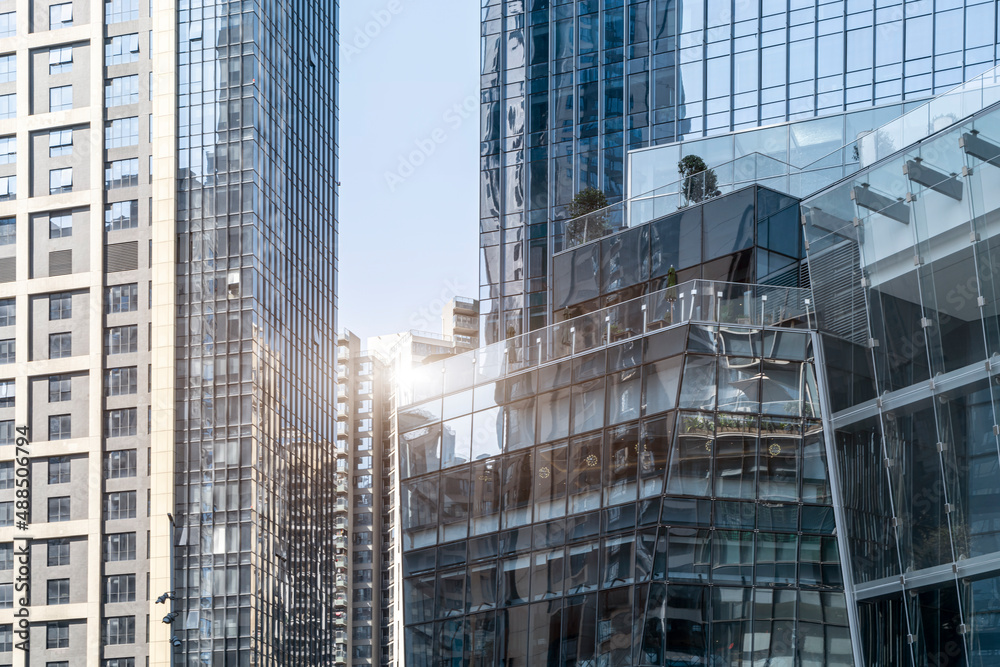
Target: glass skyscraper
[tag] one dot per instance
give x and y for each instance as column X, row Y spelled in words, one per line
column 568, row 88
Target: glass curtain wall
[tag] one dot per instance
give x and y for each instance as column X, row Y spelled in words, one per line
column 661, row 500
column 569, row 87
column 904, row 259
column 256, row 278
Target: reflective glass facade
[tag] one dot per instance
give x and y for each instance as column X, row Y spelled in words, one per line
column 749, row 236
column 903, row 258
column 569, row 87
column 256, row 276
column 643, row 485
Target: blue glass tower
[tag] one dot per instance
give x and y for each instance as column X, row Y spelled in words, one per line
column 568, row 88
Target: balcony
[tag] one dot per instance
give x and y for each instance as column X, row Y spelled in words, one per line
column 462, row 303
column 466, row 323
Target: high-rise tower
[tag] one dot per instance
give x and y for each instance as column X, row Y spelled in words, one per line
column 568, row 88
column 167, row 282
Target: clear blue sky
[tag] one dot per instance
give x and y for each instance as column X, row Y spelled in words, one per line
column 409, row 162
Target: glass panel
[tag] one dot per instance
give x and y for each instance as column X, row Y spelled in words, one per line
column 585, row 473
column 456, row 442
column 691, row 463
column 660, row 382
column 623, row 398
column 732, row 557
column 547, row 574
column 518, row 481
column 553, row 415
column 550, row 482
column 654, row 456
column 622, row 455
column 698, row 387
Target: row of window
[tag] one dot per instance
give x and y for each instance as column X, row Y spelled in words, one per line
column 117, row 423
column 118, row 215
column 117, row 547
column 117, row 174
column 61, row 15
column 118, row 464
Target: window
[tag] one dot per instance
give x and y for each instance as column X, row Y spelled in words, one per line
column 362, row 481
column 57, row 634
column 121, row 90
column 121, row 49
column 6, row 476
column 8, row 105
column 119, row 464
column 58, row 663
column 116, row 11
column 121, row 132
column 119, row 630
column 60, row 388
column 60, row 180
column 7, row 513
column 362, row 576
column 60, row 225
column 7, row 432
column 6, row 596
column 119, row 505
column 7, row 556
column 60, row 306
column 60, row 16
column 8, row 351
column 8, row 24
column 60, row 143
column 362, row 614
column 362, row 537
column 121, row 215
column 121, row 174
column 120, row 381
column 118, row 662
column 121, row 340
column 60, row 98
column 7, row 393
column 60, row 345
column 57, row 591
column 121, row 298
column 119, row 588
column 362, row 557
column 362, row 632
column 119, row 423
column 363, row 462
column 8, row 231
column 58, row 552
column 8, row 188
column 59, row 470
column 364, row 444
column 362, row 519
column 59, row 427
column 119, row 546
column 8, row 150
column 362, row 500
column 58, row 509
column 362, row 595
column 60, row 60
column 8, row 315
column 8, row 68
